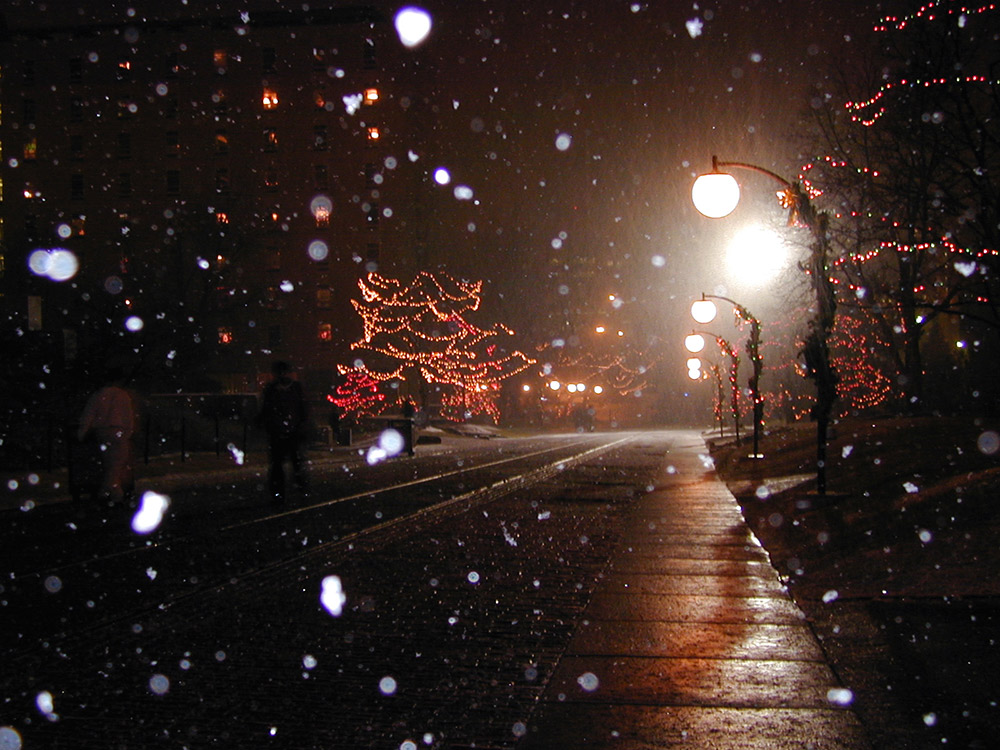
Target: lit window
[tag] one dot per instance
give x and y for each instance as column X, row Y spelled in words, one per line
column 225, row 335
column 220, row 59
column 325, row 332
column 371, row 96
column 270, row 99
column 221, row 142
column 31, row 149
column 79, row 225
column 221, row 217
column 373, row 133
column 324, row 298
column 271, row 180
column 270, row 139
column 124, row 69
column 322, row 214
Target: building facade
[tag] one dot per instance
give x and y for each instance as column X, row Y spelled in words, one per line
column 219, row 185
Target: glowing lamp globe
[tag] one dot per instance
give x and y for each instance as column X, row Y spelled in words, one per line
column 715, row 194
column 694, row 343
column 703, row 311
column 694, row 363
column 694, row 374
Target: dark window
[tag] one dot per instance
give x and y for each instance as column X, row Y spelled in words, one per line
column 124, row 146
column 271, row 180
column 369, row 54
column 371, row 212
column 172, row 141
column 222, row 181
column 75, row 69
column 76, row 146
column 124, row 185
column 173, row 182
column 76, row 109
column 28, row 73
column 268, row 59
column 29, row 112
column 370, row 172
column 76, row 186
column 170, row 108
column 274, row 337
column 321, row 178
column 319, row 137
column 372, row 254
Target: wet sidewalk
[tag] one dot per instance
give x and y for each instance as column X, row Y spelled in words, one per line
column 691, row 640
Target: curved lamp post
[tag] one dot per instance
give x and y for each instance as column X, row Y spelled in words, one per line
column 712, row 195
column 704, row 311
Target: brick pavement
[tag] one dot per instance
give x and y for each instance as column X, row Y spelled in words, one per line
column 691, row 639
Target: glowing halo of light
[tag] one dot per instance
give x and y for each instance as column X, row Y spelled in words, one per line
column 756, row 256
column 694, row 363
column 320, row 206
column 694, row 374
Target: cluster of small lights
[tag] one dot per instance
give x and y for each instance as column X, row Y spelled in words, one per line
column 856, row 108
column 425, row 325
column 862, row 385
column 930, row 11
column 358, row 394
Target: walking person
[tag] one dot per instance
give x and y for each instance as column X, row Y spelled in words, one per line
column 110, row 416
column 284, row 417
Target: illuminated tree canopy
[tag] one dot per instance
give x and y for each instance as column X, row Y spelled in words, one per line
column 426, row 326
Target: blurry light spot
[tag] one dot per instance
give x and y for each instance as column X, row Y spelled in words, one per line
column 159, row 684
column 519, row 729
column 203, row 264
column 694, row 27
column 64, row 230
column 53, row 584
column 392, row 442
column 763, row 492
column 563, row 289
column 775, row 519
column 318, row 250
column 830, row 596
column 910, row 487
column 161, row 89
column 658, row 261
column 598, row 389
column 989, row 442
column 930, row 719
column 473, row 577
column 309, row 662
column 152, row 506
column 846, row 451
column 413, row 25
column 236, row 453
column 9, row 739
column 332, row 595
column 45, row 704
column 387, row 685
column 588, row 681
column 966, row 269
column 564, row 141
column 463, row 192
column 925, row 536
column 133, row 323
column 840, row 696
column 113, row 285
column 286, row 286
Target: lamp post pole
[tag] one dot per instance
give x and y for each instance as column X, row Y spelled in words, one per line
column 816, row 351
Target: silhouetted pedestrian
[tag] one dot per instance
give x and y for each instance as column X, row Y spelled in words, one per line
column 110, row 416
column 284, row 417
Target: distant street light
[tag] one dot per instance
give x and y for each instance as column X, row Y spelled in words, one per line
column 704, row 311
column 713, row 196
column 697, row 340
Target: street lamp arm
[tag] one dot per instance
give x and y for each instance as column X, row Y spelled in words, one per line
column 752, row 167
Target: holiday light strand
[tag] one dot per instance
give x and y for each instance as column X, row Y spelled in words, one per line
column 928, row 12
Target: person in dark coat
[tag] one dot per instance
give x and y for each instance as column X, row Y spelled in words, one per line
column 110, row 417
column 284, row 417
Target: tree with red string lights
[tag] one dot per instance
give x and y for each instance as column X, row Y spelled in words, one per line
column 424, row 330
column 910, row 143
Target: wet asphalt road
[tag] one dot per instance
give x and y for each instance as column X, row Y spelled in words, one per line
column 466, row 572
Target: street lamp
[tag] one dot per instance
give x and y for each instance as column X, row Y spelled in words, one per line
column 712, row 195
column 704, row 311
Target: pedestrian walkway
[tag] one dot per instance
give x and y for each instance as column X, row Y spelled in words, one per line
column 691, row 640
